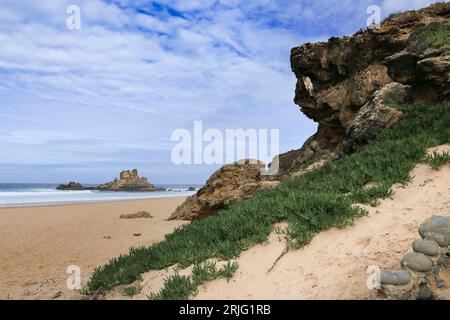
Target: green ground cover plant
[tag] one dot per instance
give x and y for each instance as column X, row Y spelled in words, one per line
column 310, row 203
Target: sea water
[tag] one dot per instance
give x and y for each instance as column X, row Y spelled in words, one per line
column 28, row 194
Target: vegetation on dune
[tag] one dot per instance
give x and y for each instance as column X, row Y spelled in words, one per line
column 178, row 287
column 310, row 203
column 436, row 160
column 430, row 35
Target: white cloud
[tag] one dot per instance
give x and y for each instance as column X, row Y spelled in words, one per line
column 128, row 75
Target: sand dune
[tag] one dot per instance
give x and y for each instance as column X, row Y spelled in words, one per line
column 334, row 264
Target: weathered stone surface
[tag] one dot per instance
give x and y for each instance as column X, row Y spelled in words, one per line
column 129, row 181
column 337, row 78
column 426, row 247
column 435, row 74
column 417, row 262
column 402, row 66
column 395, row 277
column 230, row 184
column 436, row 228
column 375, row 115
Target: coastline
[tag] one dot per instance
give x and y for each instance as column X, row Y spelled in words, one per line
column 40, row 242
column 88, row 202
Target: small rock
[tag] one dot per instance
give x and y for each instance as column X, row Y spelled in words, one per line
column 405, row 296
column 440, row 261
column 440, row 283
column 427, row 247
column 395, row 277
column 425, row 293
column 436, row 228
column 57, row 295
column 417, row 262
column 137, row 215
column 435, row 270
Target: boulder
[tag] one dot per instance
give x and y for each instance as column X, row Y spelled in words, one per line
column 436, row 228
column 375, row 115
column 417, row 262
column 230, row 184
column 129, row 181
column 426, row 247
column 395, row 277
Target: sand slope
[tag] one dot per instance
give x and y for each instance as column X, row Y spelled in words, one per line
column 39, row 243
column 334, row 264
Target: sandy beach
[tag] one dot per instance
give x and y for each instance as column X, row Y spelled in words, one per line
column 39, row 243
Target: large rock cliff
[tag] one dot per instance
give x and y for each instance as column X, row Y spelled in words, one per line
column 346, row 83
column 348, row 86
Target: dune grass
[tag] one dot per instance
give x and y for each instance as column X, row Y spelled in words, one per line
column 310, row 203
column 431, row 35
column 178, row 287
column 436, row 160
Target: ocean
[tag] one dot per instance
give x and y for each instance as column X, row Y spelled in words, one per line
column 28, row 194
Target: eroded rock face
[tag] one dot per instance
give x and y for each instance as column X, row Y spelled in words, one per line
column 375, row 115
column 337, row 80
column 129, row 181
column 347, row 86
column 230, row 184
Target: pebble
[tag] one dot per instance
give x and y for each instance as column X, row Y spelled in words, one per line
column 436, row 228
column 405, row 296
column 440, row 283
column 417, row 262
column 425, row 293
column 395, row 277
column 426, row 247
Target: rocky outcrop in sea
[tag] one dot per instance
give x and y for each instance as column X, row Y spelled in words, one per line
column 129, row 180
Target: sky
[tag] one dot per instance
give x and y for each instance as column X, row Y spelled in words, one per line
column 84, row 104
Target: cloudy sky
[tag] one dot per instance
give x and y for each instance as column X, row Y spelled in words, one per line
column 84, row 104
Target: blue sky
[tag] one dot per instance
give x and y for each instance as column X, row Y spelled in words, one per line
column 84, row 104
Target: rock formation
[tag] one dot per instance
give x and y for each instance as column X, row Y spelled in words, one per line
column 129, row 181
column 348, row 86
column 230, row 184
column 71, row 186
column 419, row 272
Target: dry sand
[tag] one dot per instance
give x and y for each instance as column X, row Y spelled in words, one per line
column 334, row 264
column 39, row 243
